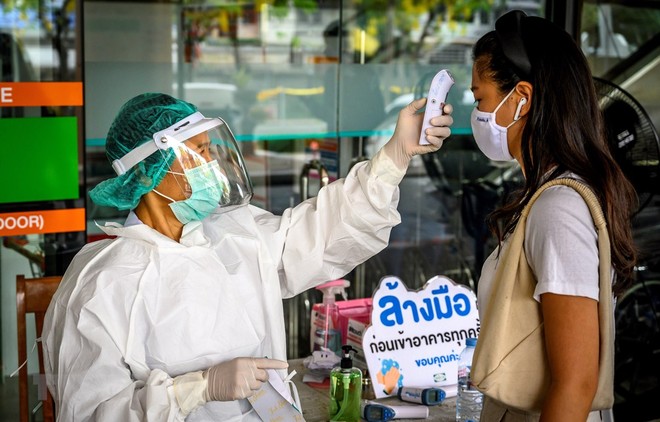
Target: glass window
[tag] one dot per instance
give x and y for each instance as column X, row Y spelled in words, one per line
column 621, row 42
column 310, row 82
column 42, row 202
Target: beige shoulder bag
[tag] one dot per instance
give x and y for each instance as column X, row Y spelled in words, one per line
column 510, row 363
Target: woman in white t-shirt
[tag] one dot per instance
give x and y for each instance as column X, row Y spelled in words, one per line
column 536, row 103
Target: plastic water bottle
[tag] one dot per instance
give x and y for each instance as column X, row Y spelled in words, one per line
column 469, row 400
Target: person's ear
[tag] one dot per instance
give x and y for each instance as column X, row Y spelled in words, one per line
column 521, row 103
column 524, row 90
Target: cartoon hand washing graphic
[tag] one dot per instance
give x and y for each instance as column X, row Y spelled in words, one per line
column 389, row 376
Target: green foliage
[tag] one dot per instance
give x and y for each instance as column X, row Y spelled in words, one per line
column 23, row 6
column 306, row 5
column 280, row 8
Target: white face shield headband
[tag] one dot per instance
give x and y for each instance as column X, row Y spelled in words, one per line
column 208, row 165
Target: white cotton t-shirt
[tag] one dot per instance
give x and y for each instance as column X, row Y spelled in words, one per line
column 561, row 246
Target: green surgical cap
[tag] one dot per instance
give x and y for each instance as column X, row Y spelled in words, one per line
column 135, row 124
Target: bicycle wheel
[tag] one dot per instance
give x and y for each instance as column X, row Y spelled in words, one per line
column 637, row 356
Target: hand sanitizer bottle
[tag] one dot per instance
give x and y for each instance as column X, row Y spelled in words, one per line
column 325, row 332
column 345, row 389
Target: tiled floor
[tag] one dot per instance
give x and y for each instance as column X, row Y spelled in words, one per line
column 9, row 406
column 9, row 401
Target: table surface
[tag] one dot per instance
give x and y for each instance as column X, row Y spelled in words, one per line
column 315, row 401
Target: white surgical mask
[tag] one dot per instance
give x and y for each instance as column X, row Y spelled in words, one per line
column 492, row 138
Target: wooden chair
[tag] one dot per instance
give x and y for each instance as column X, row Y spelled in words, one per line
column 33, row 296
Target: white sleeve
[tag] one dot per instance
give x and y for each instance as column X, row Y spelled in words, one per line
column 348, row 222
column 561, row 244
column 86, row 374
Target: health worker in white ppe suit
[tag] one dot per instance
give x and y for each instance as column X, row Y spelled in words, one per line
column 179, row 315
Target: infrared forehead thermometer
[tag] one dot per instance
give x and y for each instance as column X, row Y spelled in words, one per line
column 435, row 100
column 430, row 396
column 377, row 412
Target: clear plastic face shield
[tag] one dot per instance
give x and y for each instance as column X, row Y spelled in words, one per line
column 208, row 169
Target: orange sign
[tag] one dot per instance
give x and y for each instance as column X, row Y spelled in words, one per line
column 29, row 94
column 51, row 221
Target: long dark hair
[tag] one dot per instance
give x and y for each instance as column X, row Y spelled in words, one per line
column 564, row 132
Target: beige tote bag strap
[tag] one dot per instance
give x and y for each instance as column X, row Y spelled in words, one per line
column 604, row 395
column 502, row 331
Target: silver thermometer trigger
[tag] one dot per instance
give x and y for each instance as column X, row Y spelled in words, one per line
column 435, row 101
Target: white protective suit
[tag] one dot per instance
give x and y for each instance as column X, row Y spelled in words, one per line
column 135, row 311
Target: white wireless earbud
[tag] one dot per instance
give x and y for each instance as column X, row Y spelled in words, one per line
column 521, row 103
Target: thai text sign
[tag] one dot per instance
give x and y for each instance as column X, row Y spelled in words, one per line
column 415, row 337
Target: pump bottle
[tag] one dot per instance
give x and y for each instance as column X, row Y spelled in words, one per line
column 325, row 331
column 345, row 389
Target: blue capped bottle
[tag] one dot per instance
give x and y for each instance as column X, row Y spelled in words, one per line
column 469, row 400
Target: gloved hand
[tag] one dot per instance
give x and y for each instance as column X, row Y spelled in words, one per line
column 404, row 143
column 238, row 378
